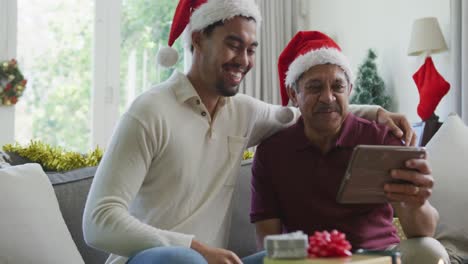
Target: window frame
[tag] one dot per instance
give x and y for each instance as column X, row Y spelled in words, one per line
column 8, row 28
column 8, row 41
column 106, row 71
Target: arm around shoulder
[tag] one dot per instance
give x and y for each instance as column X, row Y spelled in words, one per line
column 268, row 118
column 368, row 112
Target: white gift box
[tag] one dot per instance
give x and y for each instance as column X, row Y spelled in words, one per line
column 287, row 246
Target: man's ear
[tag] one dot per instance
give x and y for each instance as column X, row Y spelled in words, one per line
column 350, row 89
column 292, row 95
column 197, row 40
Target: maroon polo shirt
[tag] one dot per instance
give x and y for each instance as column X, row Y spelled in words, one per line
column 293, row 181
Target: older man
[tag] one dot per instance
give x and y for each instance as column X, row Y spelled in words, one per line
column 297, row 172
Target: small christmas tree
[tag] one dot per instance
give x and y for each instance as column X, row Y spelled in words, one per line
column 369, row 87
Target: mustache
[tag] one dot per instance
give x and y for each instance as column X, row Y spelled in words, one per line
column 325, row 108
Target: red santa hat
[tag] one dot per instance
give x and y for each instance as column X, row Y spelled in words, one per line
column 195, row 15
column 305, row 50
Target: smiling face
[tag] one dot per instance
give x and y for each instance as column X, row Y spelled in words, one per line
column 322, row 96
column 227, row 54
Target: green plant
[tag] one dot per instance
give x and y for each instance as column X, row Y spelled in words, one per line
column 369, row 87
column 55, row 158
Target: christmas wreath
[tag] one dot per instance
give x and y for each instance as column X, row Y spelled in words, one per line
column 12, row 82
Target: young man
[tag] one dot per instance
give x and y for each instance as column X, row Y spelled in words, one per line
column 297, row 172
column 163, row 190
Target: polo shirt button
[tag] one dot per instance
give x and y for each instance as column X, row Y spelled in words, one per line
column 203, row 113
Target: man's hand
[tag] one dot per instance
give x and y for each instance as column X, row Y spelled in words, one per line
column 215, row 255
column 410, row 201
column 416, row 192
column 398, row 124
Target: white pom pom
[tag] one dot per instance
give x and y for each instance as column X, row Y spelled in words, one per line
column 167, row 56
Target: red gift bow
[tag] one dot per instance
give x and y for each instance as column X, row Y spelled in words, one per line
column 325, row 244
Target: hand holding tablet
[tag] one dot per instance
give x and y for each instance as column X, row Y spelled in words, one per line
column 369, row 170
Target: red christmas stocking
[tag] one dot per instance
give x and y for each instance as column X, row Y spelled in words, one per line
column 431, row 86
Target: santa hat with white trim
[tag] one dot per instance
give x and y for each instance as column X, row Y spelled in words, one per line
column 196, row 15
column 305, row 50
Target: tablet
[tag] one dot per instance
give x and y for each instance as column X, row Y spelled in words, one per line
column 369, row 170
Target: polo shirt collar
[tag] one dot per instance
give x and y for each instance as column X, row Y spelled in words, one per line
column 184, row 90
column 349, row 132
column 347, row 137
column 299, row 139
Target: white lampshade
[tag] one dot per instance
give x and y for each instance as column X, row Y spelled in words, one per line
column 426, row 37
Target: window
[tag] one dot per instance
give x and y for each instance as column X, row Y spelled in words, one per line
column 54, row 50
column 145, row 27
column 85, row 63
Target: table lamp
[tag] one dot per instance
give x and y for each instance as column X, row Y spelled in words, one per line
column 427, row 39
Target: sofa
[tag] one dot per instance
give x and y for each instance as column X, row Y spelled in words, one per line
column 71, row 189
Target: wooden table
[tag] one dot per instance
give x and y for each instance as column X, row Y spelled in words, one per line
column 355, row 259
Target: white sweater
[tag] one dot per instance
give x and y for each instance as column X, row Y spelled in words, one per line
column 169, row 172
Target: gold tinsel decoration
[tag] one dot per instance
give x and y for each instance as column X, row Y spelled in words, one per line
column 55, row 158
column 247, row 155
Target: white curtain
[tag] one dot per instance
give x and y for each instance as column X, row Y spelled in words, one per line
column 280, row 23
column 459, row 16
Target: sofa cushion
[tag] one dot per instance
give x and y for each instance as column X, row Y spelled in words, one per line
column 71, row 189
column 447, row 153
column 4, row 160
column 16, row 159
column 31, row 227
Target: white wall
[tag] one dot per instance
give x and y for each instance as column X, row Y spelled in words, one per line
column 385, row 26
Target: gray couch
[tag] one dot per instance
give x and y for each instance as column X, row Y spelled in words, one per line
column 71, row 189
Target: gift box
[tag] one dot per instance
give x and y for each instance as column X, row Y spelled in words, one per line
column 286, row 246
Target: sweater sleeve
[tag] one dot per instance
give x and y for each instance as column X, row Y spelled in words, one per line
column 272, row 118
column 107, row 223
column 368, row 112
column 269, row 119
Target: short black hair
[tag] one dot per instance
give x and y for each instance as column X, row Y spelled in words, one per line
column 208, row 30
